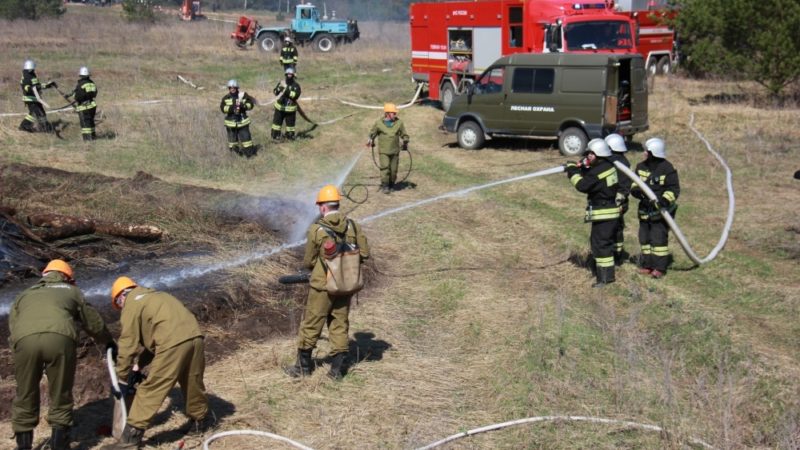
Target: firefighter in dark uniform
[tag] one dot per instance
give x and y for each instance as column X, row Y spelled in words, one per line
column 389, row 131
column 597, row 177
column 662, row 178
column 36, row 119
column 173, row 348
column 288, row 54
column 286, row 106
column 85, row 93
column 618, row 149
column 322, row 308
column 44, row 339
column 235, row 106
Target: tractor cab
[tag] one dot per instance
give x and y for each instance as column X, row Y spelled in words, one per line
column 306, row 18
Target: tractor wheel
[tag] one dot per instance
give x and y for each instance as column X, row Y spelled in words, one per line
column 324, row 43
column 572, row 142
column 446, row 95
column 269, row 42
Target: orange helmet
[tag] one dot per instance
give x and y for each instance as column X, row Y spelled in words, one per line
column 120, row 285
column 59, row 266
column 327, row 194
column 390, row 108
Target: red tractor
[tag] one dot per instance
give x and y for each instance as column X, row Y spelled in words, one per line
column 245, row 33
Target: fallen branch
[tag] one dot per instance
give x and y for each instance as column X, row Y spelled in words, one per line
column 139, row 232
column 60, row 227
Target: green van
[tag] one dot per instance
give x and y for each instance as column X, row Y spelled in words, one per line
column 565, row 96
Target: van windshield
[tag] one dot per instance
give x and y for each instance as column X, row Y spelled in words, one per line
column 598, row 35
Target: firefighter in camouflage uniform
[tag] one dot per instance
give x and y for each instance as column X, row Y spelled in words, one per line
column 389, row 131
column 597, row 177
column 286, row 106
column 36, row 119
column 662, row 178
column 618, row 149
column 235, row 106
column 44, row 338
column 85, row 93
column 288, row 54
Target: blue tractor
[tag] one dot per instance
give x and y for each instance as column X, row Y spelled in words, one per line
column 307, row 27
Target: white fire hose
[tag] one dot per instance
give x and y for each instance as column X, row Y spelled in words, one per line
column 405, row 105
column 115, row 384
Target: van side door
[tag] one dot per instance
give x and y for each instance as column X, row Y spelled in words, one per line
column 530, row 106
column 639, row 112
column 487, row 98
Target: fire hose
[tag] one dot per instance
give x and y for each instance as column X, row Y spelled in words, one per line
column 410, row 162
column 405, row 105
column 115, row 385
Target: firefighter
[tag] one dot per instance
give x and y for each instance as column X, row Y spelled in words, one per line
column 662, row 178
column 286, row 106
column 389, row 130
column 235, row 106
column 322, row 308
column 288, row 54
column 36, row 119
column 596, row 176
column 618, row 149
column 85, row 93
column 44, row 339
column 172, row 346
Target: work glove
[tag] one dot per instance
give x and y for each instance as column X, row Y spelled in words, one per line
column 122, row 392
column 620, row 199
column 278, row 89
column 570, row 164
column 135, row 377
column 114, row 350
column 663, row 202
column 50, row 84
column 405, row 145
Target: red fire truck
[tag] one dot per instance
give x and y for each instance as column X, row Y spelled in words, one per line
column 656, row 38
column 453, row 42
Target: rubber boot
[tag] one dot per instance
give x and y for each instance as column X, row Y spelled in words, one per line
column 605, row 275
column 337, row 369
column 59, row 439
column 301, row 368
column 385, row 189
column 26, row 125
column 290, row 135
column 276, row 135
column 24, row 440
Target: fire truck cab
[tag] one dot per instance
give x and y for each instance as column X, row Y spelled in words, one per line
column 453, row 42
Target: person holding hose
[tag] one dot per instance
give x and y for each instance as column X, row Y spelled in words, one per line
column 389, row 131
column 286, row 106
column 85, row 93
column 618, row 149
column 36, row 119
column 662, row 178
column 322, row 308
column 174, row 349
column 44, row 338
column 597, row 177
column 235, row 106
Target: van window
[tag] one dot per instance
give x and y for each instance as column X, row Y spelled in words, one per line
column 491, row 82
column 583, row 80
column 527, row 80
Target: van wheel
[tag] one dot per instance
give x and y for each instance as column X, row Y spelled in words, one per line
column 447, row 94
column 572, row 142
column 664, row 66
column 470, row 135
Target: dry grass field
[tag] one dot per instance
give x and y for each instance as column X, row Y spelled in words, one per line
column 475, row 312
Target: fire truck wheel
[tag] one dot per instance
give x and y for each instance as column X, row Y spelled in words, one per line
column 470, row 135
column 447, row 94
column 324, row 43
column 652, row 67
column 269, row 42
column 572, row 142
column 664, row 66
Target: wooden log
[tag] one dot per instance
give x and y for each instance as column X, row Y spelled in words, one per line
column 60, row 227
column 138, row 232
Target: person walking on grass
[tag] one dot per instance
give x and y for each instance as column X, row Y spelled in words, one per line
column 44, row 339
column 662, row 178
column 597, row 177
column 85, row 93
column 173, row 347
column 323, row 237
column 235, row 106
column 389, row 131
column 36, row 119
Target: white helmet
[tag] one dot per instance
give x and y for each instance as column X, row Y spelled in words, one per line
column 233, row 83
column 289, row 70
column 656, row 147
column 83, row 71
column 287, row 39
column 29, row 65
column 616, row 142
column 599, row 148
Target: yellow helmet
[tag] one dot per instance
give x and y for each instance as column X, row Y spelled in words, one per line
column 327, row 194
column 390, row 108
column 59, row 266
column 120, row 285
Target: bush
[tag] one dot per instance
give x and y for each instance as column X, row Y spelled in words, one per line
column 755, row 40
column 31, row 9
column 139, row 10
